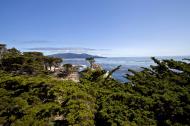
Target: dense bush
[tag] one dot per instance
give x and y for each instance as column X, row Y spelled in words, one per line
column 159, row 95
column 27, row 62
column 44, row 101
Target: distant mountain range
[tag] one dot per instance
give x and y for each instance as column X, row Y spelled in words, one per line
column 73, row 55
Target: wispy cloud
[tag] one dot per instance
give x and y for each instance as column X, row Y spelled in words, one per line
column 51, row 50
column 62, row 49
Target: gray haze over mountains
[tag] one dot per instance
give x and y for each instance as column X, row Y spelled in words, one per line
column 73, row 55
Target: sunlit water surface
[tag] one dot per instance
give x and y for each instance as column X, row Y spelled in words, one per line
column 108, row 64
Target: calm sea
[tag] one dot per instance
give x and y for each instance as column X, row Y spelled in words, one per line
column 134, row 63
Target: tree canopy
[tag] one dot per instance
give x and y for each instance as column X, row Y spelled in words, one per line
column 158, row 95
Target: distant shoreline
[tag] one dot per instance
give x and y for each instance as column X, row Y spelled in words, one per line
column 74, row 55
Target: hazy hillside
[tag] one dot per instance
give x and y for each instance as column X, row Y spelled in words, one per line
column 74, row 55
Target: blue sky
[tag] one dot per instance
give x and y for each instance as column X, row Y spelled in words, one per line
column 102, row 27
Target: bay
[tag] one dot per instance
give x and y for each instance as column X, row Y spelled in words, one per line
column 110, row 63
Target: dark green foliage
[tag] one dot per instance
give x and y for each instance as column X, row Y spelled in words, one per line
column 158, row 95
column 111, row 72
column 91, row 61
column 27, row 63
column 167, row 85
column 68, row 68
column 42, row 100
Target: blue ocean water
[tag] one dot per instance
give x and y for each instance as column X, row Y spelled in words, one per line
column 134, row 63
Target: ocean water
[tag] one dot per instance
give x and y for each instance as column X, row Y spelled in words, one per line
column 134, row 63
